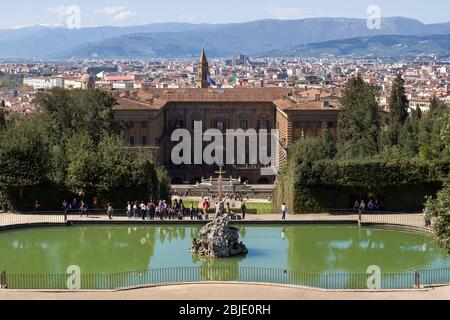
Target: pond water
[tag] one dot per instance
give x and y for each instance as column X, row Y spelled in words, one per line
column 310, row 248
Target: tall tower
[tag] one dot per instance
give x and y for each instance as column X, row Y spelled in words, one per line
column 203, row 71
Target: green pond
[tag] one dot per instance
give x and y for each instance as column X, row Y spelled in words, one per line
column 322, row 249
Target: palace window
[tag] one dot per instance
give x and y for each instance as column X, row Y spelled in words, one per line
column 244, row 124
column 143, row 140
column 221, row 126
column 263, row 124
column 144, row 124
column 131, row 141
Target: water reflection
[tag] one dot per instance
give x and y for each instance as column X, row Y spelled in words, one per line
column 320, row 249
column 352, row 250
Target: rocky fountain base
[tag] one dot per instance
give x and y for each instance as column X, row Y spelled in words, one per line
column 218, row 239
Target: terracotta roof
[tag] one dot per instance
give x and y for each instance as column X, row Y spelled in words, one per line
column 216, row 95
column 285, row 104
column 131, row 104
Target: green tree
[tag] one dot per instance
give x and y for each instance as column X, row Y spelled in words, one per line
column 398, row 106
column 2, row 114
column 358, row 129
column 430, row 131
column 439, row 209
column 84, row 164
column 70, row 111
column 408, row 135
column 23, row 155
column 398, row 102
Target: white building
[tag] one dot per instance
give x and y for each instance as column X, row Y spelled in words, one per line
column 37, row 83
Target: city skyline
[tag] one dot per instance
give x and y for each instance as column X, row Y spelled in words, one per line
column 136, row 12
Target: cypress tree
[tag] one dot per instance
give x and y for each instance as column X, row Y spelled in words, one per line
column 359, row 126
column 398, row 102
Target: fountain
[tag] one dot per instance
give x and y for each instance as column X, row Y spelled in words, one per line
column 221, row 184
column 218, row 239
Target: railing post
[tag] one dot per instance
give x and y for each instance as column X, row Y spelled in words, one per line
column 416, row 280
column 3, row 284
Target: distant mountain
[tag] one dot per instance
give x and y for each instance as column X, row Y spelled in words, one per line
column 386, row 46
column 185, row 40
column 46, row 42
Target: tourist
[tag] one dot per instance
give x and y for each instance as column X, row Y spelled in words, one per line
column 283, row 211
column 191, row 211
column 109, row 211
column 151, row 210
column 362, row 207
column 205, row 207
column 65, row 207
column 243, row 209
column 36, row 206
column 376, row 205
column 129, row 210
column 135, row 209
column 165, row 211
column 370, row 205
column 159, row 211
column 196, row 215
column 181, row 205
column 356, row 206
column 83, row 209
column 143, row 210
column 74, row 204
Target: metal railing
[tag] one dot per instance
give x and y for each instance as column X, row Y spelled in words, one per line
column 416, row 220
column 177, row 275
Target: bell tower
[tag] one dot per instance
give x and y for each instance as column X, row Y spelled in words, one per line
column 203, row 71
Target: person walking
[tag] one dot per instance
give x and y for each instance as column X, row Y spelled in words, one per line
column 205, row 209
column 65, row 207
column 83, row 208
column 283, row 211
column 191, row 211
column 143, row 210
column 129, row 210
column 151, row 210
column 362, row 207
column 243, row 209
column 109, row 210
column 135, row 209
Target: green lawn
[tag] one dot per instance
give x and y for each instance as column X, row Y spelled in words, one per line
column 187, row 203
column 262, row 207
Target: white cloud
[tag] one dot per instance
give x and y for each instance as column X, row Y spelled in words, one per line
column 123, row 15
column 119, row 13
column 185, row 18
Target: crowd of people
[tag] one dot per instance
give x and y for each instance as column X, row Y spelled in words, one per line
column 373, row 205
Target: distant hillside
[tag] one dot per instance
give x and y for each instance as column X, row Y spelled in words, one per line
column 185, row 40
column 386, row 46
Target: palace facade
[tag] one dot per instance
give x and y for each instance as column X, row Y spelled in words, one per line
column 153, row 114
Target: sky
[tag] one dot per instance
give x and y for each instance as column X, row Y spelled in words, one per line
column 21, row 13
